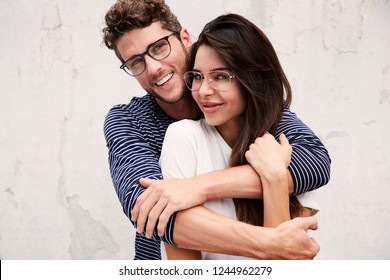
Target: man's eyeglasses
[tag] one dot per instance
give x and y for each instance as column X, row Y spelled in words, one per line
column 158, row 50
column 218, row 80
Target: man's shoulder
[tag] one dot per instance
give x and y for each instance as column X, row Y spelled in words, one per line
column 136, row 105
column 142, row 109
column 123, row 116
column 287, row 114
column 291, row 123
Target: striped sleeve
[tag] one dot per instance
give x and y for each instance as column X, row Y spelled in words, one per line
column 310, row 161
column 134, row 141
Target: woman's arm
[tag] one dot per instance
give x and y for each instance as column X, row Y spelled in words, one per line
column 270, row 160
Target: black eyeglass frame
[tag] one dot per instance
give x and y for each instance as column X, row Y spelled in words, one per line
column 147, row 52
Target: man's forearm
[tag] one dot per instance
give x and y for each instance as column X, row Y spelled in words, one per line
column 201, row 229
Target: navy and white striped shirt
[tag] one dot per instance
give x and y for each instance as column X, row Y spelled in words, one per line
column 134, row 134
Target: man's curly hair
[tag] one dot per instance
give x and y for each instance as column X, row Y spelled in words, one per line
column 127, row 15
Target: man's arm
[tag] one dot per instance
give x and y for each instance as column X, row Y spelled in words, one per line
column 310, row 161
column 162, row 198
column 290, row 240
column 130, row 157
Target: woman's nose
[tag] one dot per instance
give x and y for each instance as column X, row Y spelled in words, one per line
column 205, row 87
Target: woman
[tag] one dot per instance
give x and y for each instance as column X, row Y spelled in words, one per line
column 237, row 81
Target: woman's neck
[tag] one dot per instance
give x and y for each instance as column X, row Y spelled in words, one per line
column 229, row 132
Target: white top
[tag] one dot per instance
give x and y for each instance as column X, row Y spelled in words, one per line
column 192, row 148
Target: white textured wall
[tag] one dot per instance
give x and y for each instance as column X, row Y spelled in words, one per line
column 58, row 82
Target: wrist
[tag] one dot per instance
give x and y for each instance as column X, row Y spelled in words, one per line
column 198, row 187
column 263, row 245
column 275, row 176
column 211, row 185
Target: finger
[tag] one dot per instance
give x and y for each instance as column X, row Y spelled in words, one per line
column 258, row 140
column 310, row 223
column 163, row 220
column 248, row 155
column 316, row 245
column 314, row 224
column 153, row 217
column 144, row 211
column 286, row 147
column 138, row 203
column 283, row 140
column 146, row 182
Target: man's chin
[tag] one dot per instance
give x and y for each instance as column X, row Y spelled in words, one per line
column 172, row 100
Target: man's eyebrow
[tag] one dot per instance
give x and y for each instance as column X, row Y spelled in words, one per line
column 147, row 48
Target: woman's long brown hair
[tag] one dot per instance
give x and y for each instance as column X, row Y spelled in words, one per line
column 253, row 60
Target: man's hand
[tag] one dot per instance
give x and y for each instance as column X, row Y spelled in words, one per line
column 161, row 199
column 293, row 241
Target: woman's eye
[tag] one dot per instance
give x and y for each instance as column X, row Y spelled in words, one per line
column 197, row 76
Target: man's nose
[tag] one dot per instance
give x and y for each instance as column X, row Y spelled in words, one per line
column 152, row 65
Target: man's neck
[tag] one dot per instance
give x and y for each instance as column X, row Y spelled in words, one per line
column 186, row 108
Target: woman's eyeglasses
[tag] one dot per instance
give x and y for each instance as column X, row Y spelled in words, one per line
column 219, row 80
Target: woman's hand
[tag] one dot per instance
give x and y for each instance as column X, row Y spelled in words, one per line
column 269, row 158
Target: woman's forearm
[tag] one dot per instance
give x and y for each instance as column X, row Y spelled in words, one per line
column 276, row 200
column 235, row 182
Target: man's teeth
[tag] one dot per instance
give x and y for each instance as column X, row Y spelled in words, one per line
column 163, row 80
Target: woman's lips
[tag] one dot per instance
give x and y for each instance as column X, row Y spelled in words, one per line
column 210, row 107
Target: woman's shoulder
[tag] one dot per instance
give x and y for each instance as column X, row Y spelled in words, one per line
column 186, row 125
column 193, row 129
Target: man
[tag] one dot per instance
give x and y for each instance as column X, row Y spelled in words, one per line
column 153, row 47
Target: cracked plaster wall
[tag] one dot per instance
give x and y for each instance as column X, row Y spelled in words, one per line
column 58, row 82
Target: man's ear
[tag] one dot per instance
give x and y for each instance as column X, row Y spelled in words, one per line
column 186, row 38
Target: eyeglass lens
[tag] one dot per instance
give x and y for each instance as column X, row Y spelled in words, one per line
column 218, row 80
column 158, row 51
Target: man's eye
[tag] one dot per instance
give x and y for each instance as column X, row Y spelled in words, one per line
column 158, row 48
column 135, row 62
